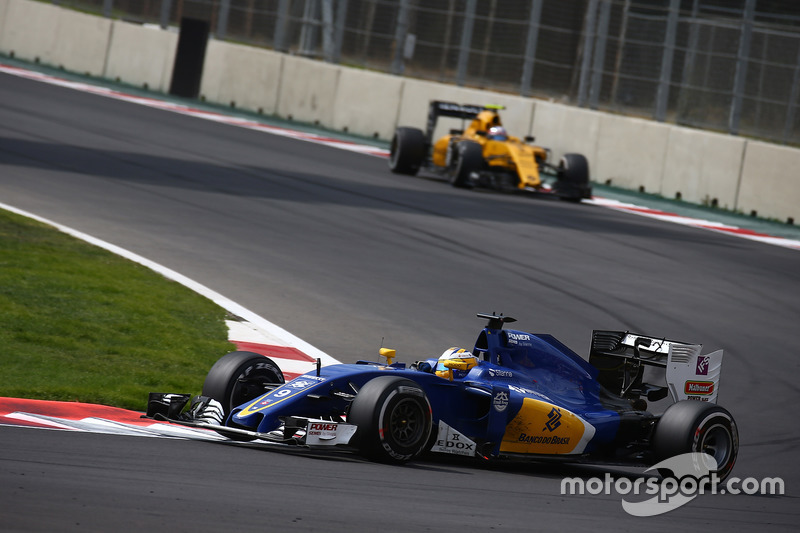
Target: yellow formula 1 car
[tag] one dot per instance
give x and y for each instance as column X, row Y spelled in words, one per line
column 484, row 155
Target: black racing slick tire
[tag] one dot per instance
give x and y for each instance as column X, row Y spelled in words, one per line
column 394, row 420
column 240, row 377
column 573, row 178
column 408, row 151
column 692, row 426
column 470, row 159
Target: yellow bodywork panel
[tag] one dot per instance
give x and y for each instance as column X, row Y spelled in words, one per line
column 511, row 155
column 541, row 427
column 439, row 156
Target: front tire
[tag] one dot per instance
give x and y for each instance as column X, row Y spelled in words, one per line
column 394, row 419
column 692, row 426
column 407, row 151
column 573, row 178
column 239, row 377
column 470, row 159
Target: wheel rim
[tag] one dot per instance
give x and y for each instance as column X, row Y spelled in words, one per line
column 251, row 383
column 717, row 442
column 407, row 422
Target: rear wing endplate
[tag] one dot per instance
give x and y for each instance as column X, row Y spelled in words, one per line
column 689, row 375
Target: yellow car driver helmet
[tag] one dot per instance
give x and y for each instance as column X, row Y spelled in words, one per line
column 455, row 362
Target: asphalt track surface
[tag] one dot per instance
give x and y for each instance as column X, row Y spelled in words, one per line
column 331, row 246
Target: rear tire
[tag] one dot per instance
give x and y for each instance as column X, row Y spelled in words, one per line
column 394, row 419
column 407, row 151
column 573, row 178
column 692, row 426
column 470, row 159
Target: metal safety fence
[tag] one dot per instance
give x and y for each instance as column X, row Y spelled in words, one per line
column 726, row 65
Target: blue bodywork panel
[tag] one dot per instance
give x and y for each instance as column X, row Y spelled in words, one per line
column 528, row 394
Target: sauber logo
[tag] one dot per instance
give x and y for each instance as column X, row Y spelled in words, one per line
column 699, row 387
column 500, row 401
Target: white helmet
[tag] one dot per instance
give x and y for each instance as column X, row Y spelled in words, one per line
column 497, row 133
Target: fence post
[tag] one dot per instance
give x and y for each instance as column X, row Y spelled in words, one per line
column 688, row 62
column 166, row 9
column 341, row 19
column 281, row 21
column 790, row 112
column 599, row 54
column 400, row 34
column 466, row 42
column 108, row 6
column 308, row 32
column 530, row 47
column 222, row 21
column 662, row 96
column 588, row 45
column 620, row 49
column 741, row 66
column 328, row 42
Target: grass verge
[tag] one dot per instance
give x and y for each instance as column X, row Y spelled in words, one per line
column 78, row 323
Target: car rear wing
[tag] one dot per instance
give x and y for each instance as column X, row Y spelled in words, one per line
column 439, row 108
column 620, row 358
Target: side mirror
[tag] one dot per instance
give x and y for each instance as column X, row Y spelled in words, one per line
column 389, row 354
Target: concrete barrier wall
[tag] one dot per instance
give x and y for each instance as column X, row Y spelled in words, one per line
column 366, row 103
column 628, row 152
column 141, row 55
column 308, row 91
column 770, row 181
column 564, row 129
column 247, row 77
column 29, row 30
column 3, row 19
column 631, row 153
column 55, row 36
column 703, row 167
column 81, row 43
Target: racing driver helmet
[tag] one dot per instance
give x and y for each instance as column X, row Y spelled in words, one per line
column 497, row 133
column 460, row 362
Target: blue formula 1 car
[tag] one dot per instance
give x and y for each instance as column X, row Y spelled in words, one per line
column 516, row 395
